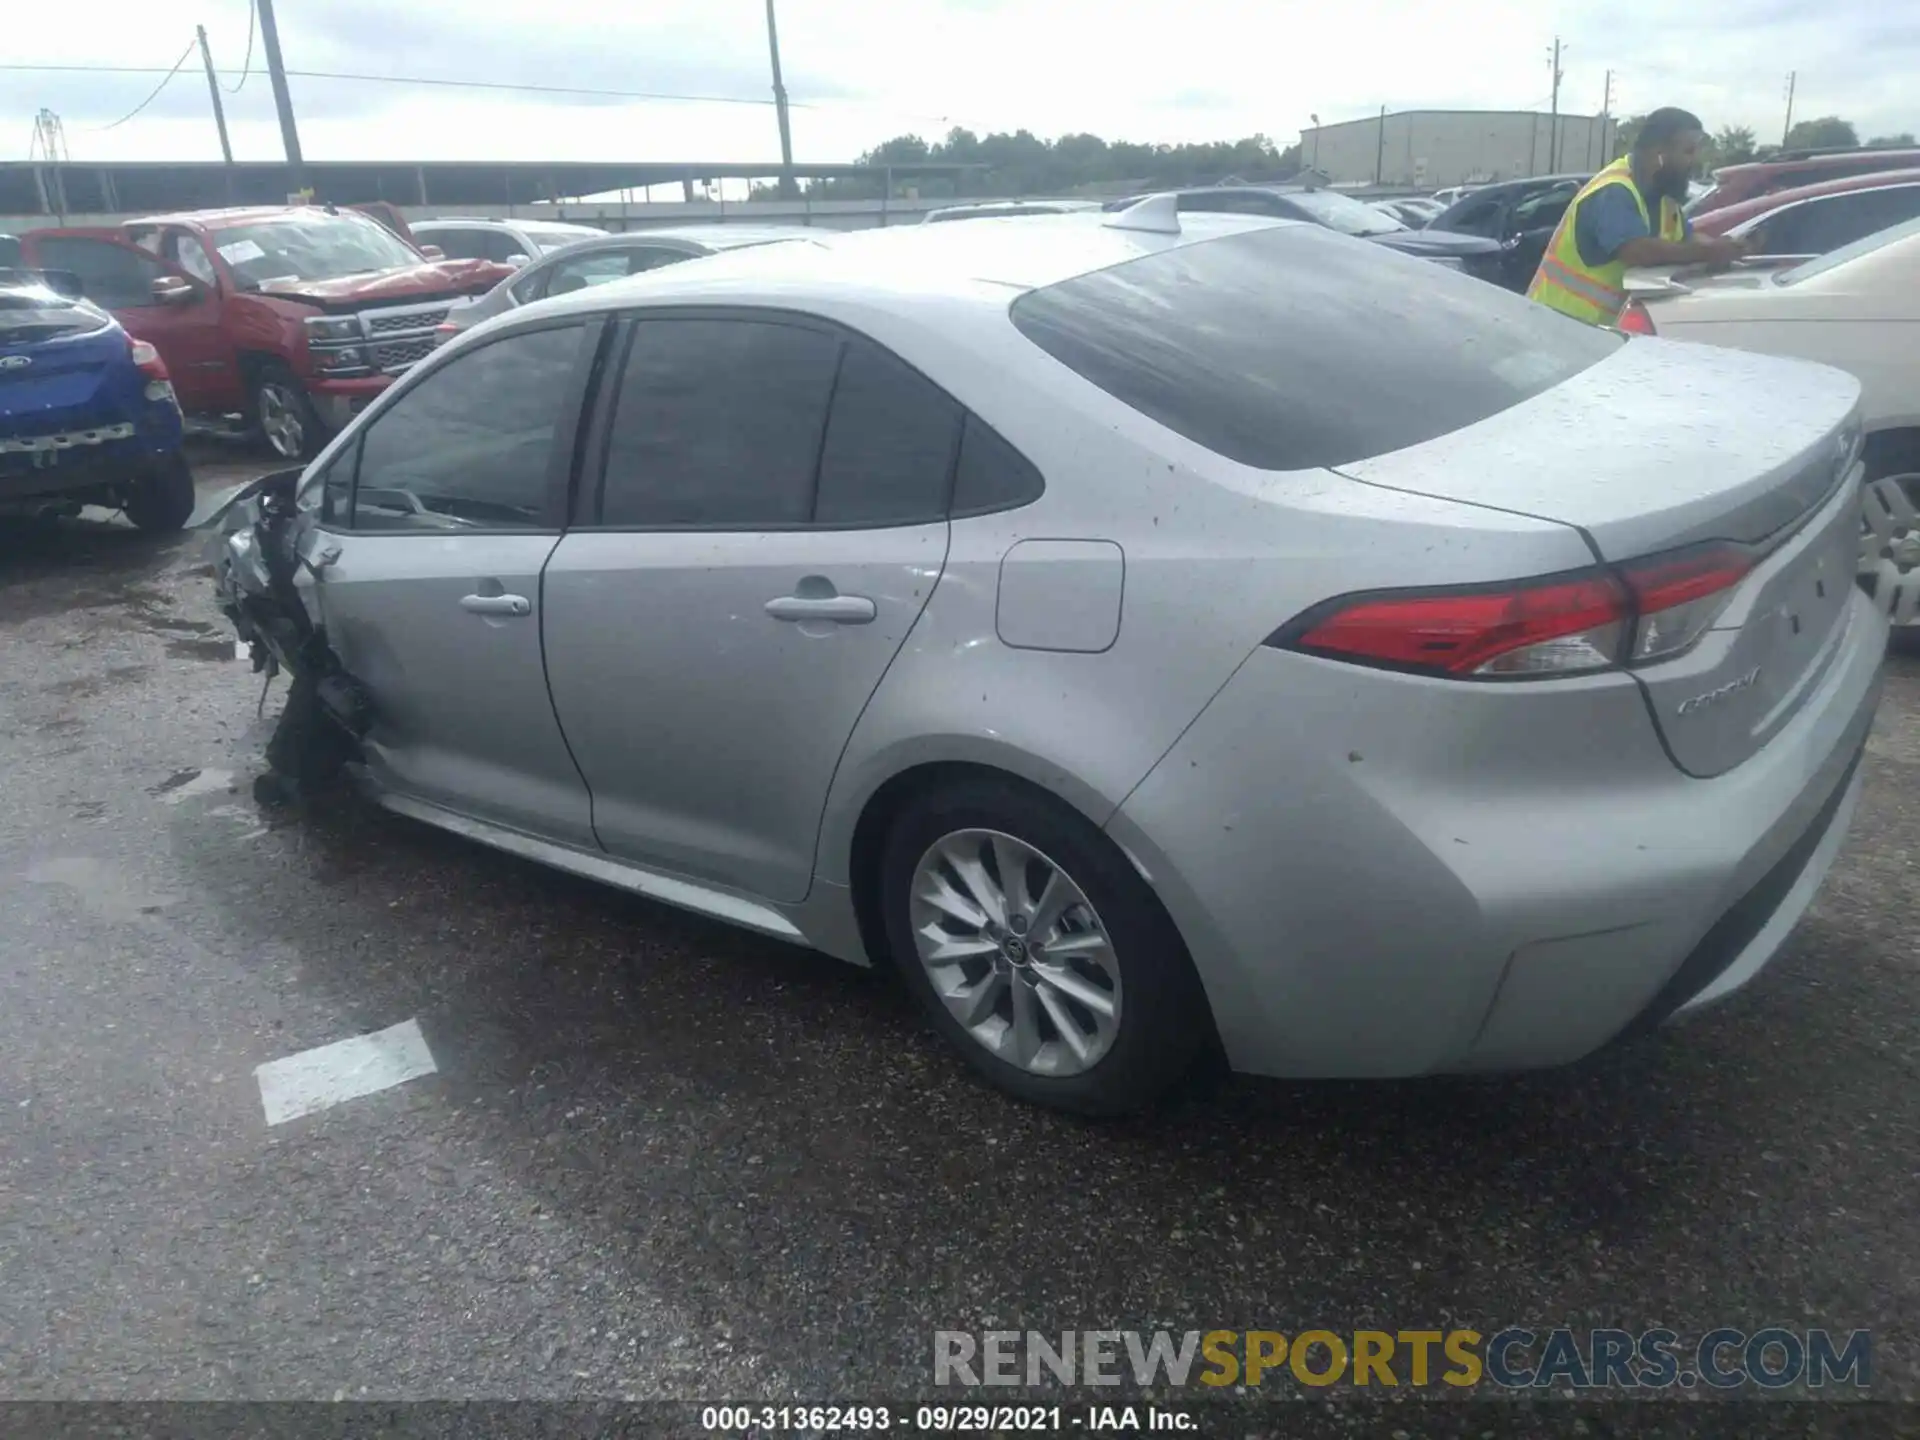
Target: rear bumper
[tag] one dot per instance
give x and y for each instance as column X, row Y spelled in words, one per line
column 78, row 469
column 1379, row 875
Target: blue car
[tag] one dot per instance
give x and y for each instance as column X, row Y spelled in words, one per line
column 87, row 413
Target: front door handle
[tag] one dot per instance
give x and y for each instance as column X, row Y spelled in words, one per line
column 840, row 609
column 496, row 604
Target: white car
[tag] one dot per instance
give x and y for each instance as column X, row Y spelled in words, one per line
column 1857, row 308
column 510, row 242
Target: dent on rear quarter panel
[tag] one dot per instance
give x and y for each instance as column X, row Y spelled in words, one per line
column 1216, row 557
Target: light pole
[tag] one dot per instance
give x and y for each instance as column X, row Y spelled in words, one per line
column 1316, row 141
column 780, row 108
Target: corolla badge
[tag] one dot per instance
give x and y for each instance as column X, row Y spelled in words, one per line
column 15, row 362
column 1721, row 692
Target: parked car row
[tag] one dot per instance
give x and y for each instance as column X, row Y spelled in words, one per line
column 928, row 595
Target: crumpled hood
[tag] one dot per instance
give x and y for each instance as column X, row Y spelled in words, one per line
column 410, row 282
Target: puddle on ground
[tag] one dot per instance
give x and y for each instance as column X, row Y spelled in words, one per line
column 86, row 685
column 183, row 784
column 102, row 887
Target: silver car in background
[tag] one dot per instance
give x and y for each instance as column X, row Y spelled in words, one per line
column 1148, row 632
column 585, row 263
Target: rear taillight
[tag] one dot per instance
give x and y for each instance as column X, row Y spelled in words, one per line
column 1677, row 597
column 1569, row 624
column 1634, row 319
column 147, row 360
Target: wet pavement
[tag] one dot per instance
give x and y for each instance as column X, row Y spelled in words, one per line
column 659, row 1158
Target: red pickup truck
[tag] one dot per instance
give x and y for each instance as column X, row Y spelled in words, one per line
column 290, row 318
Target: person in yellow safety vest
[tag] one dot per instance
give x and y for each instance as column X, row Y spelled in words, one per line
column 1628, row 215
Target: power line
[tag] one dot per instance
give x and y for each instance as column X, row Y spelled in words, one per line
column 496, row 85
column 246, row 65
column 422, row 80
column 156, row 91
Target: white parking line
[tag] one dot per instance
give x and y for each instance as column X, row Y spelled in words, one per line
column 345, row 1070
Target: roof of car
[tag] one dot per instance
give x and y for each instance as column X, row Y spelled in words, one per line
column 1743, row 210
column 518, row 222
column 986, row 256
column 1820, row 159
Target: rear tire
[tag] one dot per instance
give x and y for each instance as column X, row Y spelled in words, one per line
column 163, row 498
column 283, row 417
column 1890, row 526
column 1110, row 968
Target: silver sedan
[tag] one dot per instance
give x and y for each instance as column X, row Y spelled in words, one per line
column 614, row 257
column 1148, row 632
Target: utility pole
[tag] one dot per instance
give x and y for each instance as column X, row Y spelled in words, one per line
column 1380, row 151
column 780, row 108
column 1786, row 131
column 1606, row 118
column 282, row 101
column 219, row 110
column 1553, row 134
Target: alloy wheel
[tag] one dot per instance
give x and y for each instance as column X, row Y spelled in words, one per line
column 280, row 421
column 1016, row 952
column 1890, row 545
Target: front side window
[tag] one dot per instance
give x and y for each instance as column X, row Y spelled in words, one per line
column 469, row 447
column 1543, row 211
column 191, row 256
column 1288, row 349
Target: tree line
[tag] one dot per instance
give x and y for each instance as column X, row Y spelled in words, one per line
column 1736, row 145
column 1023, row 164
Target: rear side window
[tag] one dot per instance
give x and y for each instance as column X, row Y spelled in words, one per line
column 1294, row 348
column 890, row 444
column 718, row 425
column 744, row 424
column 991, row 475
column 117, row 277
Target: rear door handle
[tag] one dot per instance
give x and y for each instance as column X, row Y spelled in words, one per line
column 841, row 609
column 496, row 604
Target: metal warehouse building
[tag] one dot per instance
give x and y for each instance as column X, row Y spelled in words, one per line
column 1428, row 149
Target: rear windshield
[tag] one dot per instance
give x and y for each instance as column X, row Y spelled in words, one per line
column 1292, row 347
column 29, row 311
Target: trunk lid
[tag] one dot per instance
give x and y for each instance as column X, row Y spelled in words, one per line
column 1727, row 697
column 1660, row 445
column 1665, row 445
column 70, row 382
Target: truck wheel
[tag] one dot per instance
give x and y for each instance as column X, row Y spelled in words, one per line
column 283, row 417
column 162, row 499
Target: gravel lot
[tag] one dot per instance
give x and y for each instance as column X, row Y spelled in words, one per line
column 662, row 1159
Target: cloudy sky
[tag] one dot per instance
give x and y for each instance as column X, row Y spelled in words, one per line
column 859, row 71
